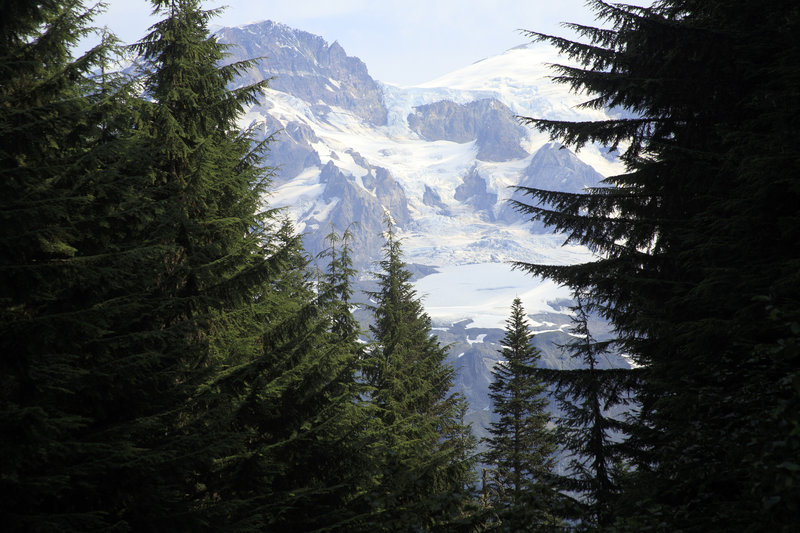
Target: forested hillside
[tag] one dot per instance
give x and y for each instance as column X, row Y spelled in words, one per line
column 171, row 361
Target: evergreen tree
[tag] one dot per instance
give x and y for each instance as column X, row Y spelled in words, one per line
column 200, row 176
column 336, row 285
column 696, row 245
column 69, row 252
column 521, row 446
column 158, row 323
column 274, row 396
column 589, row 432
column 424, row 448
column 302, row 463
column 272, row 412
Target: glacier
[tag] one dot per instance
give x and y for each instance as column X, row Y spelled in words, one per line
column 442, row 159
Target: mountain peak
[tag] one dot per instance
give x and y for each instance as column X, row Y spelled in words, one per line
column 305, row 66
column 442, row 159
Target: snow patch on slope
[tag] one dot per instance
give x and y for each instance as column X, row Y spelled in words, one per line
column 483, row 293
column 521, row 78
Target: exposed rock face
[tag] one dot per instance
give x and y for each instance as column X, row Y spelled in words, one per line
column 431, row 198
column 473, row 191
column 291, row 151
column 301, row 133
column 444, row 121
column 556, row 168
column 488, row 122
column 354, row 203
column 391, row 196
column 553, row 168
column 304, row 65
column 359, row 159
column 388, row 192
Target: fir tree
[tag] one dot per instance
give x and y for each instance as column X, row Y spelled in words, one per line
column 199, row 176
column 336, row 285
column 272, row 408
column 590, row 432
column 302, row 464
column 695, row 245
column 69, row 252
column 276, row 402
column 520, row 449
column 424, row 448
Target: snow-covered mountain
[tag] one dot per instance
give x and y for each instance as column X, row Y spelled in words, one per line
column 442, row 159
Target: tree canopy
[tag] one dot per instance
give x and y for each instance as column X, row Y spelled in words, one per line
column 696, row 246
column 521, row 446
column 426, row 457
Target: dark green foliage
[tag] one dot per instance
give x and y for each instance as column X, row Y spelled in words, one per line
column 132, row 254
column 166, row 364
column 424, row 449
column 302, row 460
column 521, row 446
column 276, row 406
column 200, row 174
column 70, row 277
column 336, row 285
column 697, row 245
column 591, row 430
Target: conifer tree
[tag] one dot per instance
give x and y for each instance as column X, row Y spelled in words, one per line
column 68, row 257
column 521, row 446
column 199, row 176
column 591, row 430
column 336, row 284
column 425, row 449
column 273, row 390
column 149, row 299
column 268, row 394
column 695, row 245
column 302, row 463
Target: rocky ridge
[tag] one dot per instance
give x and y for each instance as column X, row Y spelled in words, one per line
column 442, row 160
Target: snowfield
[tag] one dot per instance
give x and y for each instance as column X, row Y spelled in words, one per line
column 483, row 294
column 470, row 250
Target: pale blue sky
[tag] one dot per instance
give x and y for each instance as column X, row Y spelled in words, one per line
column 405, row 42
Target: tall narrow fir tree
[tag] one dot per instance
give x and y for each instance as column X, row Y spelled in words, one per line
column 595, row 401
column 425, row 449
column 521, row 446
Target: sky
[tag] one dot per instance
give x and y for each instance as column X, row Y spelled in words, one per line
column 402, row 42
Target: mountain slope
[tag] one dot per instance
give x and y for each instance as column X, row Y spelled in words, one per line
column 442, row 159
